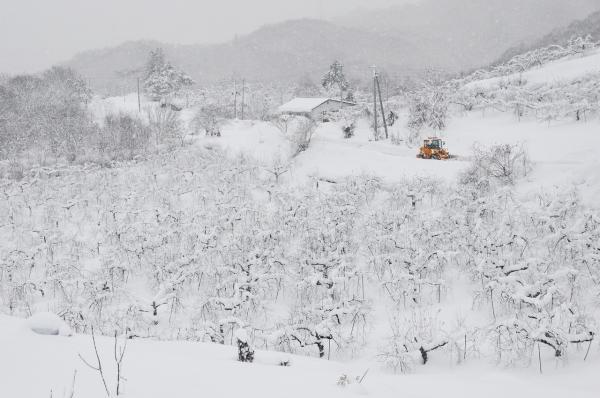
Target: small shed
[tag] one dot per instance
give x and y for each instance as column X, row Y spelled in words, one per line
column 315, row 108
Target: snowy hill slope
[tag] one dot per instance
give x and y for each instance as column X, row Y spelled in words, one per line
column 32, row 366
column 561, row 70
column 471, row 32
column 580, row 28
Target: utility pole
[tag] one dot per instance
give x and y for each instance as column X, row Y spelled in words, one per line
column 381, row 105
column 138, row 93
column 341, row 89
column 375, row 102
column 243, row 96
column 234, row 98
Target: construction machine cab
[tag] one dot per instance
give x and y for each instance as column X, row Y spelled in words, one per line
column 434, row 143
column 433, row 148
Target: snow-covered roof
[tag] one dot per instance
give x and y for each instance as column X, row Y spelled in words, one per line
column 306, row 105
column 300, row 105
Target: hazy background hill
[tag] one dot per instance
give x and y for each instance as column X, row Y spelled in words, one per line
column 587, row 26
column 452, row 35
column 470, row 33
column 279, row 52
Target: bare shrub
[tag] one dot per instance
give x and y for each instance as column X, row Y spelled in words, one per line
column 411, row 342
column 297, row 129
column 414, row 138
column 428, row 108
column 278, row 167
column 348, row 127
column 124, row 136
column 119, row 350
column 303, row 134
column 209, row 119
column 417, row 119
column 259, row 104
column 165, row 125
column 502, row 163
column 245, row 350
column 348, row 118
column 282, row 122
column 15, row 170
column 45, row 112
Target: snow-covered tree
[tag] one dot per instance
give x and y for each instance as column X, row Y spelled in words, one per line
column 336, row 79
column 162, row 80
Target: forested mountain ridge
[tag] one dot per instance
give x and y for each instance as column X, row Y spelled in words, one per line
column 454, row 36
column 580, row 28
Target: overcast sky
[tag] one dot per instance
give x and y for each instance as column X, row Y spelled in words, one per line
column 35, row 34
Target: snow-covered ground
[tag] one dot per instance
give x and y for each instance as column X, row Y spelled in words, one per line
column 33, row 365
column 128, row 104
column 564, row 154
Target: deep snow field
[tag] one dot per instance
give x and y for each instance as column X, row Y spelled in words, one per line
column 565, row 156
column 562, row 152
column 32, row 365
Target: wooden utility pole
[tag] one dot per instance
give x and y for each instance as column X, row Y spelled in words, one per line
column 234, row 98
column 243, row 96
column 375, row 102
column 138, row 93
column 341, row 89
column 381, row 105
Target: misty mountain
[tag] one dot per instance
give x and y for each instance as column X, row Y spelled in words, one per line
column 280, row 52
column 453, row 35
column 114, row 69
column 471, row 33
column 581, row 28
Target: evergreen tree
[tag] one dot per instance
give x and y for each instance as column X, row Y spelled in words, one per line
column 335, row 78
column 162, row 79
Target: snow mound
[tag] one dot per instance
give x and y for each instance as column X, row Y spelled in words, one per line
column 47, row 323
column 259, row 140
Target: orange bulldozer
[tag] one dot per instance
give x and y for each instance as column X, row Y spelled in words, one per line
column 433, row 148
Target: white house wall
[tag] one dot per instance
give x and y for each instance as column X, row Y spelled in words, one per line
column 328, row 106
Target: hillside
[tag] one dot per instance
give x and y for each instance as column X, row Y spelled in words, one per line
column 560, row 36
column 287, row 50
column 470, row 33
column 561, row 70
column 280, row 52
